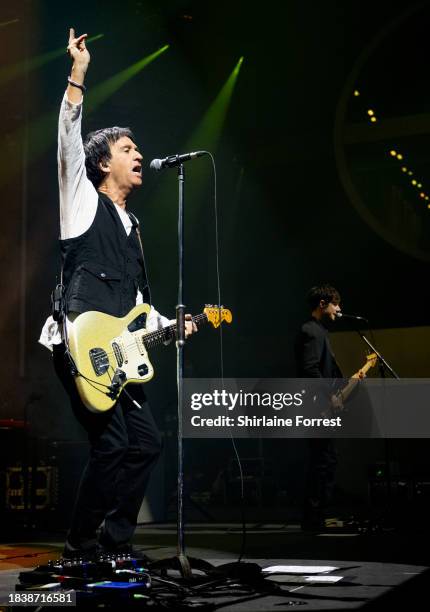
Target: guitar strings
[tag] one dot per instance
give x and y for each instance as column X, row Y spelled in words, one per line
column 149, row 340
column 156, row 337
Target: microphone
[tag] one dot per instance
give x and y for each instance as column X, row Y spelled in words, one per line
column 339, row 315
column 174, row 160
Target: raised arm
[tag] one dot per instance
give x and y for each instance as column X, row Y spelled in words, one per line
column 81, row 58
column 78, row 197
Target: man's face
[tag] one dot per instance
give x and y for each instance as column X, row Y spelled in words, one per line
column 329, row 310
column 124, row 169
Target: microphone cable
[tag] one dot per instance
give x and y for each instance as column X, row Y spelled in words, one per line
column 221, row 348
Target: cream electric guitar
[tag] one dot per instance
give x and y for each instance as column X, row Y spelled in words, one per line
column 110, row 352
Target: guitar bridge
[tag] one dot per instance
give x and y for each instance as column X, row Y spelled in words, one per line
column 99, row 360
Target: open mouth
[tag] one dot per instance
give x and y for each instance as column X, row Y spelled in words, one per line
column 137, row 169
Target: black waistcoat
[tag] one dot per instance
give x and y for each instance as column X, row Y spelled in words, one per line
column 103, row 268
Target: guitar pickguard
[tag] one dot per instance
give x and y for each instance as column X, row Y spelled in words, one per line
column 138, row 323
column 130, row 353
column 110, row 352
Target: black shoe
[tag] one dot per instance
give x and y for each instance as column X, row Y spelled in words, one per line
column 83, row 554
column 126, row 551
column 348, row 525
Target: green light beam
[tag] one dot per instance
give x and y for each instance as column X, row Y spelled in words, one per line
column 42, row 131
column 8, row 73
column 104, row 90
column 6, row 23
column 205, row 137
column 208, row 132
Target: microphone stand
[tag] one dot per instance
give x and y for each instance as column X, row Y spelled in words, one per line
column 181, row 562
column 382, row 362
column 220, row 574
column 180, row 345
column 383, row 367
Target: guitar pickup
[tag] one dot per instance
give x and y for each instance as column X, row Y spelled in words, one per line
column 118, row 354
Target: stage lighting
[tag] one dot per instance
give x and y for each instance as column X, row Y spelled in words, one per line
column 107, row 88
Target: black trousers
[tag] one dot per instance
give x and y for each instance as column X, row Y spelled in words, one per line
column 320, row 480
column 124, row 447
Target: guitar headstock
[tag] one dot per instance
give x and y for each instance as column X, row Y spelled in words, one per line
column 217, row 314
column 371, row 360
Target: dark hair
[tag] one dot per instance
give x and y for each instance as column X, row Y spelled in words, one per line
column 97, row 150
column 323, row 292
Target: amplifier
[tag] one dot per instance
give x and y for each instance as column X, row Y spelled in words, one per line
column 29, row 488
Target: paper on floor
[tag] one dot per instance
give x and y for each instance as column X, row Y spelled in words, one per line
column 298, row 569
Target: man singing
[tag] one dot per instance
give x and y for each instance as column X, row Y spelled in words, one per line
column 315, row 359
column 103, row 269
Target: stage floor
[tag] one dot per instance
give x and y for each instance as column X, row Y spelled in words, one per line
column 377, row 569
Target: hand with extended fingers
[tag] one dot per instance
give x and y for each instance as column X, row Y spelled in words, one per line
column 77, row 50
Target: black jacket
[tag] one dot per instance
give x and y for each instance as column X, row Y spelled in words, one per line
column 314, row 355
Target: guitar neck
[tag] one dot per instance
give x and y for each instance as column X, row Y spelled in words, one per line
column 346, row 391
column 164, row 334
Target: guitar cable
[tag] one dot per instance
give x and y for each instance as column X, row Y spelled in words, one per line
column 95, row 384
column 218, row 277
column 75, row 372
column 124, row 390
column 73, row 367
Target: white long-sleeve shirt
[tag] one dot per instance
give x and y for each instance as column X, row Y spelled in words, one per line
column 78, row 207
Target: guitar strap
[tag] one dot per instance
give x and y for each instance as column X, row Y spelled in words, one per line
column 59, row 314
column 136, row 225
column 58, row 302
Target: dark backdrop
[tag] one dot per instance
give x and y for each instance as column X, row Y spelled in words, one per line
column 286, row 221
